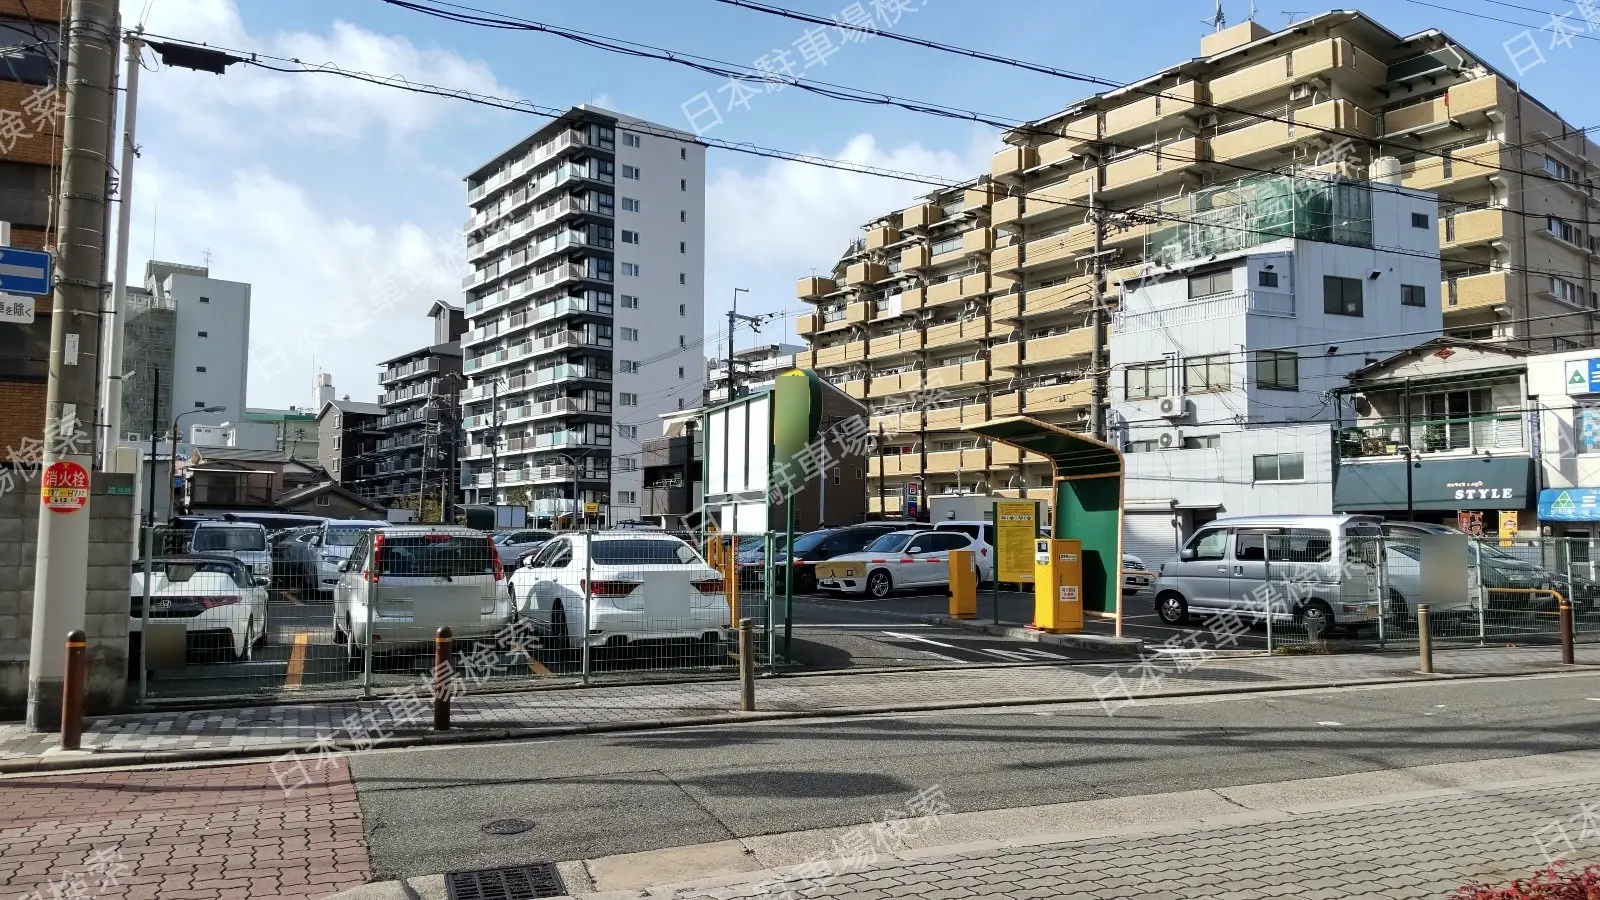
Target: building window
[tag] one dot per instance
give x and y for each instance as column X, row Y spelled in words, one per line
column 1560, row 170
column 628, row 431
column 631, row 172
column 683, row 215
column 205, row 299
column 948, row 245
column 629, row 301
column 199, row 368
column 1267, row 279
column 202, row 334
column 1419, row 220
column 683, row 309
column 1277, row 370
column 629, row 139
column 630, row 205
column 626, row 399
column 680, row 373
column 1145, row 381
column 1565, row 230
column 626, row 497
column 324, row 500
column 1413, row 295
column 199, row 404
column 680, row 403
column 630, row 269
column 1203, row 442
column 1280, row 467
column 1341, row 296
column 25, row 350
column 630, row 237
column 683, row 342
column 628, row 366
column 683, row 152
column 1565, row 290
column 1210, row 284
column 683, row 184
column 1142, row 447
column 683, row 278
column 683, row 246
column 629, row 334
column 1203, row 374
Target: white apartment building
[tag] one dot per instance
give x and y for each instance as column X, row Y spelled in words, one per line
column 585, row 309
column 195, row 330
column 755, row 367
column 1224, row 356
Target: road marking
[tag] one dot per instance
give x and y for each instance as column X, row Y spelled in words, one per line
column 297, row 662
column 912, row 637
column 1332, row 724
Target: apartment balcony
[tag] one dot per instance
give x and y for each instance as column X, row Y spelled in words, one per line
column 881, row 235
column 1011, row 162
column 961, row 375
column 1130, row 240
column 832, row 320
column 977, row 241
column 807, row 323
column 911, row 300
column 1129, row 320
column 1005, row 259
column 1005, row 455
column 858, row 313
column 1007, row 213
column 1480, row 226
column 908, row 341
column 840, row 354
column 885, row 503
column 1464, row 436
column 894, row 464
column 1056, row 249
column 1483, row 291
column 974, row 199
column 920, row 216
column 1005, row 404
column 955, row 334
column 946, row 462
column 1461, row 102
column 1005, row 356
column 897, row 423
column 1056, row 347
column 943, row 292
column 956, row 418
column 1149, row 112
column 1057, row 397
column 1005, row 308
column 1076, row 135
column 1333, row 58
column 815, row 288
column 864, row 273
column 1479, row 161
column 1058, row 297
column 1266, row 139
column 914, row 257
column 898, row 383
column 856, row 388
column 416, row 367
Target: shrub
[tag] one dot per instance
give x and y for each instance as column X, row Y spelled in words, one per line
column 1557, row 881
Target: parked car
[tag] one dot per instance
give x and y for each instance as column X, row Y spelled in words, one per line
column 294, row 559
column 224, row 605
column 1403, row 583
column 333, row 542
column 244, row 541
column 1136, row 576
column 983, row 543
column 1333, row 562
column 636, row 585
column 1502, row 570
column 513, row 545
column 815, row 546
column 897, row 560
column 405, row 581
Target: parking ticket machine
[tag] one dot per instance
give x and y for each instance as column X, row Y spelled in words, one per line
column 1058, row 585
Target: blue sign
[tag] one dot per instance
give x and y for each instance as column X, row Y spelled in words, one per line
column 1583, row 376
column 1569, row 505
column 24, row 271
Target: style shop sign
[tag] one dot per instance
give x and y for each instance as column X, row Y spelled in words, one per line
column 1479, row 490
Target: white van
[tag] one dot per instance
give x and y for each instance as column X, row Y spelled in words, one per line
column 983, row 538
column 1325, row 570
column 244, row 541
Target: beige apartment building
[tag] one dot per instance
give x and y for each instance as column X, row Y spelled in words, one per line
column 976, row 303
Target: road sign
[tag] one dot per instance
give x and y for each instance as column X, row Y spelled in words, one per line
column 16, row 309
column 591, row 509
column 1016, row 530
column 65, row 487
column 24, row 271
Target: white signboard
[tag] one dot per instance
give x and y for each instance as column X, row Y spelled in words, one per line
column 16, row 309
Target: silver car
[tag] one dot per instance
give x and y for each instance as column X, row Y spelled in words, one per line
column 244, row 541
column 334, row 541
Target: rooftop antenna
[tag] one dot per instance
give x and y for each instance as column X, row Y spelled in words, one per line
column 1218, row 19
column 207, row 257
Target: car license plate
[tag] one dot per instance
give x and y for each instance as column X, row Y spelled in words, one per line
column 1372, row 612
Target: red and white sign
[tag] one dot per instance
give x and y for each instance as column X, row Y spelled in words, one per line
column 65, row 487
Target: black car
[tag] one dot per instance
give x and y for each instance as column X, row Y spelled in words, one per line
column 817, row 546
column 294, row 559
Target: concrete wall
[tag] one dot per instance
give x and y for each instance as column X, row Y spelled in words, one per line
column 111, row 549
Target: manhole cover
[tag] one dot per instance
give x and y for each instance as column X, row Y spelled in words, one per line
column 525, row 882
column 508, row 826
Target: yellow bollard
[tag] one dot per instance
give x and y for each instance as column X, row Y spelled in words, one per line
column 963, row 585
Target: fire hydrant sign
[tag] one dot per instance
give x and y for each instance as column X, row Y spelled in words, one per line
column 65, row 487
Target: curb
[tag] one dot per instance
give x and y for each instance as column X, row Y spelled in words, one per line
column 1124, row 646
column 92, row 760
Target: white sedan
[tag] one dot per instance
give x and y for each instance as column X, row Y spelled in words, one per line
column 219, row 600
column 1136, row 577
column 899, row 559
column 621, row 587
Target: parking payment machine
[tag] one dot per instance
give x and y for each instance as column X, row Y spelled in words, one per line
column 1058, row 585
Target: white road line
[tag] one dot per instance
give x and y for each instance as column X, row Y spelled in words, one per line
column 1332, row 724
column 912, row 637
column 1003, row 654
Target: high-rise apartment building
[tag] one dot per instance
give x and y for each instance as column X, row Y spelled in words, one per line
column 977, row 302
column 195, row 330
column 421, row 402
column 585, row 310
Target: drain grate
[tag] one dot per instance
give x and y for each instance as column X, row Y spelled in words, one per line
column 525, row 882
column 507, row 826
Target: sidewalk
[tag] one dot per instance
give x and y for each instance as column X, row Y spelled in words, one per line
column 400, row 720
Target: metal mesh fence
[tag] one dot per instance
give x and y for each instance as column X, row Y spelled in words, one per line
column 355, row 608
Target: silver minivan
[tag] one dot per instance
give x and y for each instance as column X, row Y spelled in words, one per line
column 244, row 541
column 1325, row 571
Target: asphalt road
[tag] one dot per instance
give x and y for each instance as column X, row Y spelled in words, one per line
column 588, row 797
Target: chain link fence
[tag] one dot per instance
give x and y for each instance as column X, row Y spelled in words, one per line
column 228, row 609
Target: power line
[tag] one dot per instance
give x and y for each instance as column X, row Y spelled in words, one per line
column 1488, row 18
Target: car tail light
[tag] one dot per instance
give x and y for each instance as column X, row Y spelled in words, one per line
column 499, row 567
column 708, row 585
column 213, row 602
column 377, row 559
column 607, row 588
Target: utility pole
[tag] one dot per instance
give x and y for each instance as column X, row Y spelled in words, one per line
column 733, row 322
column 61, row 565
column 111, row 395
column 1097, row 316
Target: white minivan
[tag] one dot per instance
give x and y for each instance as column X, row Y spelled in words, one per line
column 1325, row 571
column 405, row 581
column 244, row 541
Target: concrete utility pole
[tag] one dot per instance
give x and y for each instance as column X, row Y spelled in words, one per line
column 1097, row 317
column 733, row 322
column 61, row 567
column 111, row 396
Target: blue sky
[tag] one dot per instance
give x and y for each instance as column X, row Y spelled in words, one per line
column 341, row 202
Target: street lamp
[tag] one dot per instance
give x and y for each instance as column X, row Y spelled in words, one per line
column 172, row 487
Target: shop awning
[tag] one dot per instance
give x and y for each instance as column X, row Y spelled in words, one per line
column 1075, row 455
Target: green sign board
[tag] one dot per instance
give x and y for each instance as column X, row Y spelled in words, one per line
column 120, row 490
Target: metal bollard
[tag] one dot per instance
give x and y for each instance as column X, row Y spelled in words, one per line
column 72, row 690
column 1424, row 639
column 1565, row 609
column 747, row 666
column 442, row 642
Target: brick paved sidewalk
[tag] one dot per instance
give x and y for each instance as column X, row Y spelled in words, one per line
column 1418, row 846
column 276, row 729
column 204, row 834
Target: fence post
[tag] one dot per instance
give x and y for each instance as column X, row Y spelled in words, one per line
column 1424, row 639
column 144, row 613
column 766, row 581
column 1565, row 610
column 588, row 597
column 371, row 651
column 1270, row 598
column 1381, row 558
column 1483, row 595
column 747, row 666
column 441, row 678
column 72, row 690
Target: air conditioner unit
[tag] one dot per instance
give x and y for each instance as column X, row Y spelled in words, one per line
column 1301, row 92
column 1171, row 439
column 1208, row 120
column 1173, row 407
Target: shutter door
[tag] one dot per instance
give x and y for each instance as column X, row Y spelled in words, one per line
column 1150, row 536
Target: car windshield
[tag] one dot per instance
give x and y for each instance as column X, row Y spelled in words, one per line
column 229, row 539
column 347, row 535
column 178, row 571
column 631, row 551
column 890, row 543
column 805, row 543
column 437, row 554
